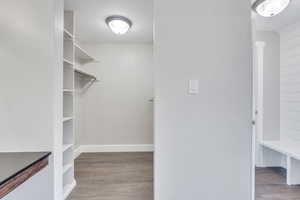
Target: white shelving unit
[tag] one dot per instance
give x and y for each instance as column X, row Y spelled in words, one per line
column 73, row 55
column 68, row 189
column 65, row 119
column 67, row 168
column 68, row 63
column 68, row 35
column 85, row 74
column 81, row 56
column 68, row 90
column 68, row 104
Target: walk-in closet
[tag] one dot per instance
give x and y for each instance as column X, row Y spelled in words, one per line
column 107, row 93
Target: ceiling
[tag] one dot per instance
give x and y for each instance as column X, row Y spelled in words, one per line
column 289, row 16
column 90, row 19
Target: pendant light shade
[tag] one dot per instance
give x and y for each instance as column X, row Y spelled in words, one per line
column 270, row 8
column 118, row 24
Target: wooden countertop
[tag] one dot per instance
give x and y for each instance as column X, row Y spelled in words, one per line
column 16, row 168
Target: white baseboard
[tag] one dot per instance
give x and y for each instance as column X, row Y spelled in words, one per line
column 113, row 148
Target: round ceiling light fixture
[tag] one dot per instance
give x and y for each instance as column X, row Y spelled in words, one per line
column 118, row 24
column 270, row 8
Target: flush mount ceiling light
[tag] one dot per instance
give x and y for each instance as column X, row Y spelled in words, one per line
column 118, row 24
column 270, row 8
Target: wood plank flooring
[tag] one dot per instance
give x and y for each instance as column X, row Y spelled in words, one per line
column 271, row 185
column 129, row 176
column 113, row 176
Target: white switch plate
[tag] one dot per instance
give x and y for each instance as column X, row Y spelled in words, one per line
column 193, row 86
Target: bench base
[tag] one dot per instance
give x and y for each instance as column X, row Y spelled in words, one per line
column 279, row 154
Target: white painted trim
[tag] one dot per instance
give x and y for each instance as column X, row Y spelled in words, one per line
column 257, row 106
column 260, row 85
column 113, row 148
column 57, row 35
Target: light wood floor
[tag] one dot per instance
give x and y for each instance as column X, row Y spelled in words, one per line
column 129, row 176
column 113, row 176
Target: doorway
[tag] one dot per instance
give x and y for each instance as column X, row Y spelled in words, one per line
column 276, row 144
column 110, row 46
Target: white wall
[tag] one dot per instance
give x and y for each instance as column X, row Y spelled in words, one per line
column 271, row 84
column 28, row 80
column 116, row 110
column 289, row 82
column 203, row 142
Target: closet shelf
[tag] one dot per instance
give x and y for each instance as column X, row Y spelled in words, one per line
column 67, row 146
column 66, row 61
column 82, row 56
column 67, row 119
column 68, row 35
column 67, row 167
column 68, row 189
column 85, row 74
column 68, row 91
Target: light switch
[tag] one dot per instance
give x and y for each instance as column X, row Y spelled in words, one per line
column 193, row 86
